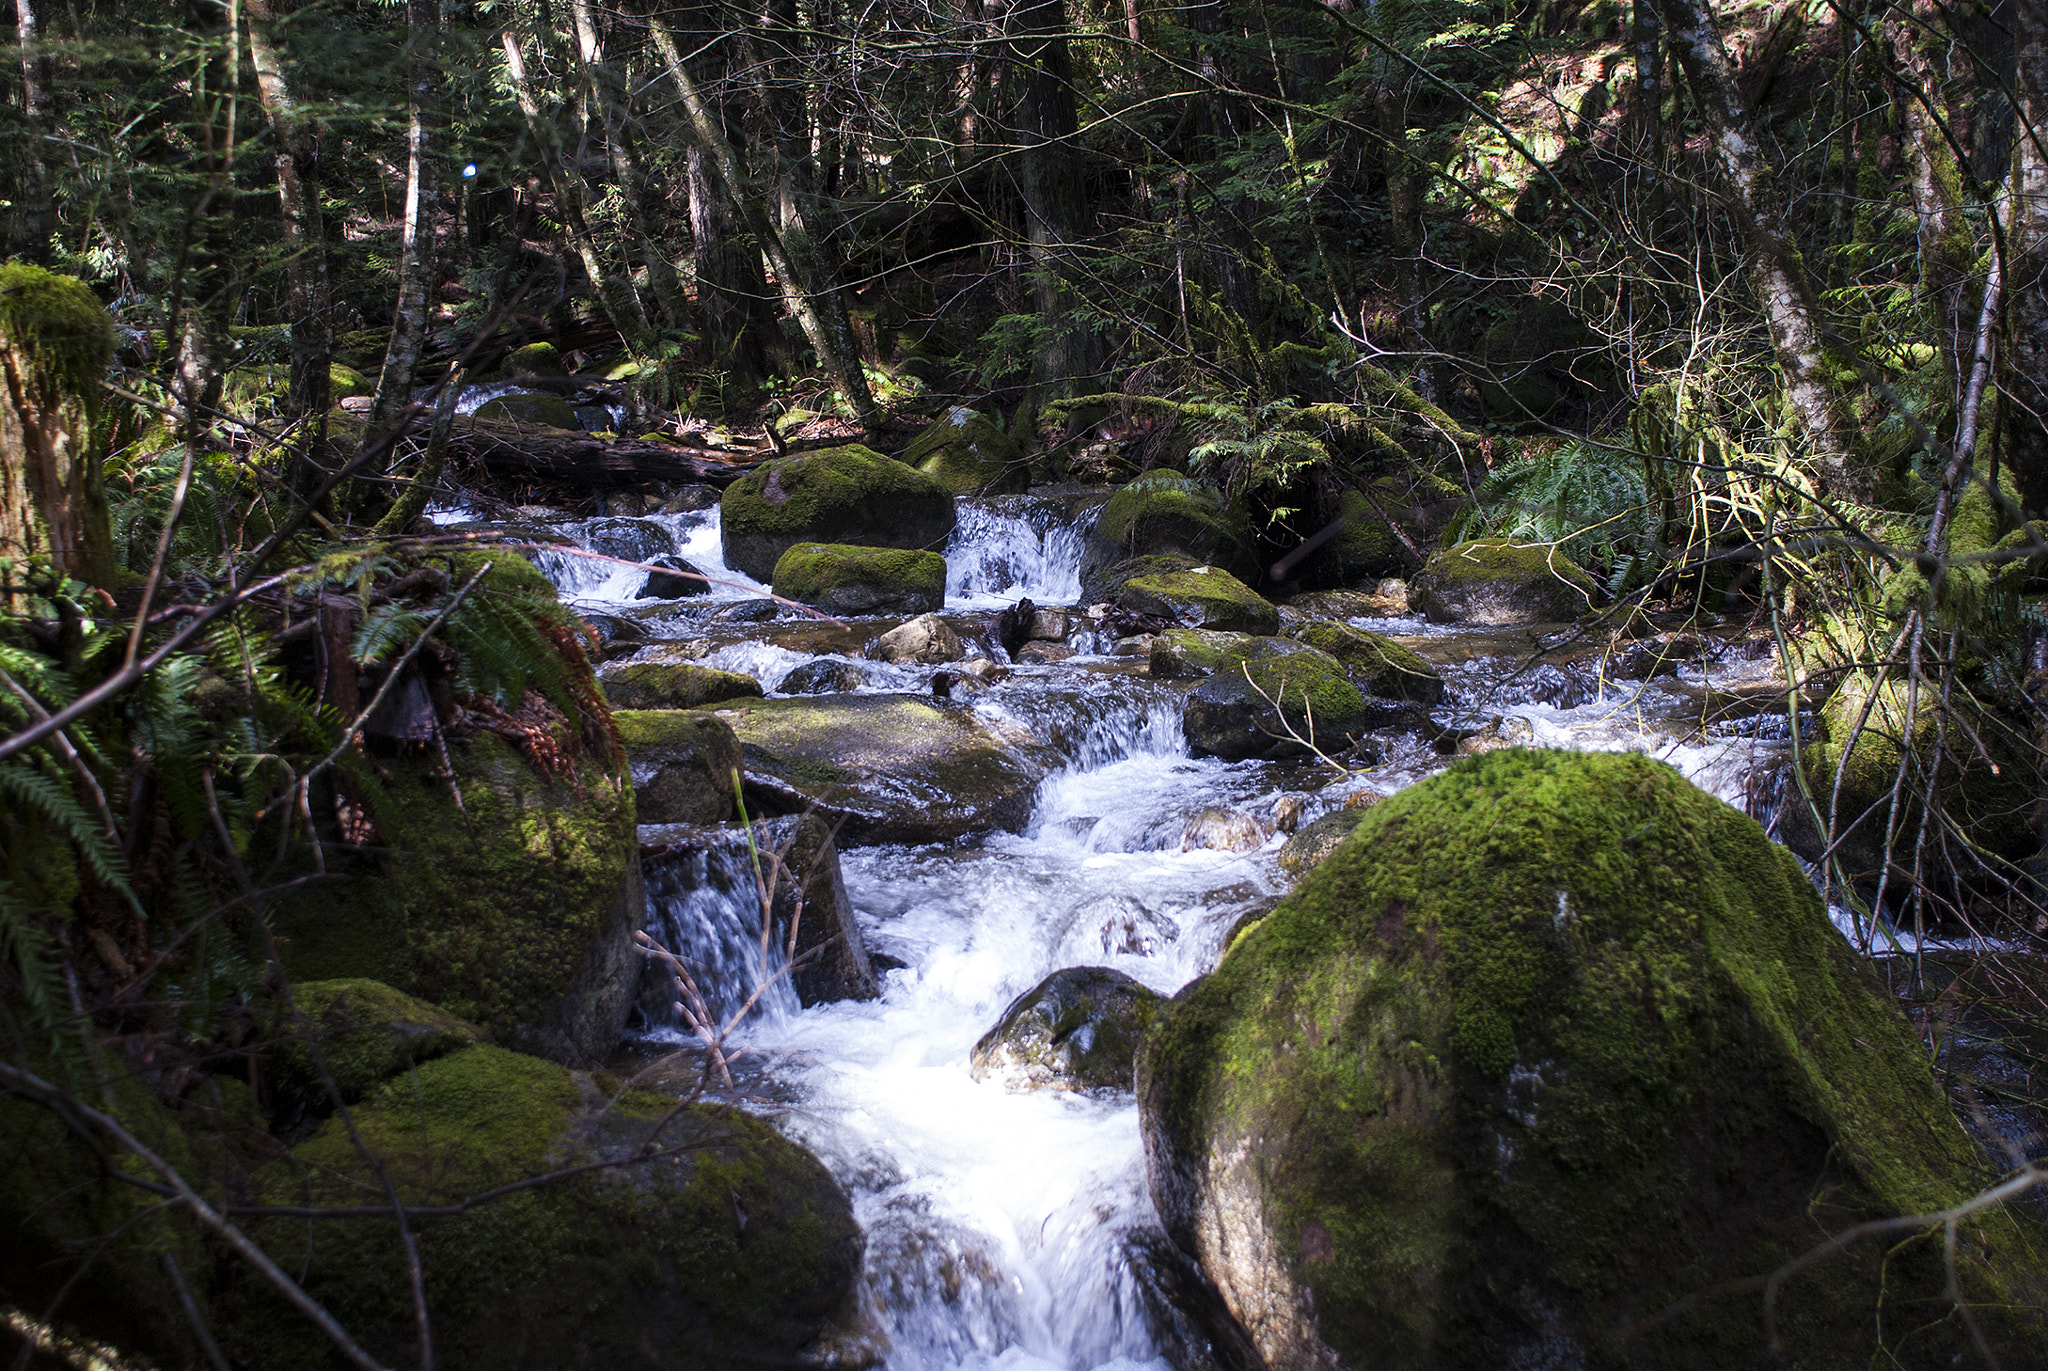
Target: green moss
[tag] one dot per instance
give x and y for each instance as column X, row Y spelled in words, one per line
column 1265, row 694
column 730, row 1250
column 842, row 495
column 861, row 580
column 964, row 452
column 58, row 327
column 366, row 1033
column 1552, row 1042
column 1178, row 653
column 1378, row 665
column 1166, row 512
column 551, row 411
column 535, row 359
column 672, row 685
column 345, row 381
column 1366, row 546
column 1495, row 580
column 1202, row 597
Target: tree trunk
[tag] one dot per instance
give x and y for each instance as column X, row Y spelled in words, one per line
column 1776, row 267
column 732, row 290
column 2023, row 380
column 55, row 344
column 1947, row 249
column 305, row 240
column 1049, row 179
column 203, row 281
column 34, row 204
column 416, row 247
column 811, row 292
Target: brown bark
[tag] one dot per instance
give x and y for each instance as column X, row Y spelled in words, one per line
column 52, row 503
column 1049, row 179
column 416, row 246
column 2023, row 379
column 296, row 155
column 1777, row 271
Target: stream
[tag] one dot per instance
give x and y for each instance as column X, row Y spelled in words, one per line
column 1007, row 1230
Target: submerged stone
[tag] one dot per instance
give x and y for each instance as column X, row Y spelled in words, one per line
column 671, row 685
column 1078, row 1029
column 845, row 495
column 845, row 579
column 1553, row 1043
column 1493, row 581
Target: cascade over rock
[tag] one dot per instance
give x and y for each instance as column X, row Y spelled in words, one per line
column 845, row 495
column 1078, row 1029
column 1554, row 1042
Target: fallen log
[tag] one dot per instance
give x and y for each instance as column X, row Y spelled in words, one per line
column 507, row 450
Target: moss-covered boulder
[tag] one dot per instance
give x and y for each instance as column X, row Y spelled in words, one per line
column 56, row 341
column 1377, row 664
column 843, row 579
column 1494, row 581
column 965, row 452
column 535, row 359
column 537, row 409
column 671, row 685
column 732, row 1247
column 683, row 763
column 345, row 381
column 1078, row 1029
column 1163, row 511
column 1554, row 1045
column 1101, row 582
column 1281, row 699
column 1193, row 653
column 847, row 495
column 1994, row 804
column 1201, row 597
column 888, row 768
column 364, row 1033
column 1366, row 547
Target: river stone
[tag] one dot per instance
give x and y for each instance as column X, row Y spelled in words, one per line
column 365, row 1033
column 546, row 411
column 831, row 959
column 1310, row 845
column 1192, row 653
column 1493, row 581
column 1554, row 1042
column 616, row 634
column 665, row 585
column 1204, row 597
column 847, row 495
column 1100, row 583
column 926, row 640
column 1222, row 830
column 889, row 768
column 966, row 453
column 734, row 1247
column 671, row 685
column 825, row 676
column 846, row 579
column 1377, row 665
column 1078, row 1029
column 683, row 763
column 633, row 540
column 1274, row 702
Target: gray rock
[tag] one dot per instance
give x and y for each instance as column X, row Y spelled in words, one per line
column 663, row 585
column 671, row 685
column 683, row 763
column 1078, row 1029
column 825, row 676
column 926, row 640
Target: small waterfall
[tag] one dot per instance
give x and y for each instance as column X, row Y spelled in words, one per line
column 702, row 906
column 1015, row 546
column 693, row 536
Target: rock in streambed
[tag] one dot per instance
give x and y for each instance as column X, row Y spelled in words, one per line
column 1078, row 1029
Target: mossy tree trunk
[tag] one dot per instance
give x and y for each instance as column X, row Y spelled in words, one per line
column 416, row 250
column 2023, row 409
column 55, row 344
column 1777, row 270
column 1947, row 246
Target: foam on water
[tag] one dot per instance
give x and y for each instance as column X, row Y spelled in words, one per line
column 1004, row 550
column 597, row 583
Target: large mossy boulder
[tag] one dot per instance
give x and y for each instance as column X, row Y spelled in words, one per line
column 1078, row 1029
column 683, row 765
column 671, row 685
column 1377, row 664
column 1495, row 581
column 732, row 1247
column 502, row 885
column 1163, row 511
column 56, row 341
column 1274, row 698
column 1201, row 597
column 848, row 495
column 537, row 409
column 359, row 1034
column 1553, row 1046
column 845, row 579
column 888, row 768
column 966, row 453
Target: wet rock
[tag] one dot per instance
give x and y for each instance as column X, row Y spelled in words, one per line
column 1287, row 812
column 1121, row 926
column 364, row 1033
column 1317, row 605
column 632, row 540
column 1078, row 1029
column 1311, row 844
column 683, row 763
column 826, row 676
column 1282, row 700
column 1648, row 660
column 1186, row 1317
column 690, row 499
column 846, row 579
column 966, row 453
column 845, row 495
column 1101, row 583
column 1507, row 732
column 1180, row 654
column 733, row 1247
column 1377, row 665
column 1526, row 1094
column 671, row 685
column 546, row 411
column 616, row 635
column 926, row 640
column 751, row 612
column 831, row 959
column 1493, row 581
column 889, row 768
column 1011, row 627
column 1205, row 597
column 667, row 585
column 1222, row 830
column 1049, row 624
column 1044, row 653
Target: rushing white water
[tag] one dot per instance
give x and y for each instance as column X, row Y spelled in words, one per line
column 604, row 580
column 1006, row 549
